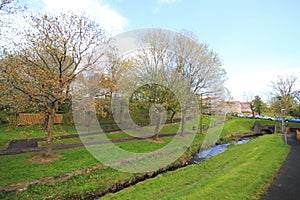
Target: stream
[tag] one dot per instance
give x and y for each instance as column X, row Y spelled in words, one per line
column 216, row 150
column 199, row 157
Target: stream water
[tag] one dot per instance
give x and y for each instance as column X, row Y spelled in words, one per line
column 204, row 154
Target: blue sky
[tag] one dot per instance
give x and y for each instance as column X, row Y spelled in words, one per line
column 257, row 40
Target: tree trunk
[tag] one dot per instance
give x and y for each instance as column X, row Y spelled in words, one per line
column 201, row 122
column 182, row 123
column 156, row 130
column 17, row 118
column 121, row 114
column 45, row 122
column 172, row 116
column 49, row 139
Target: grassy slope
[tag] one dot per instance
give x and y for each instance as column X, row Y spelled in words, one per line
column 237, row 126
column 16, row 169
column 232, row 175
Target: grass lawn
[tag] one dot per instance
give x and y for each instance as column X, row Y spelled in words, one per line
column 242, row 172
column 11, row 132
column 237, row 126
column 173, row 128
column 16, row 169
column 169, row 128
column 76, row 187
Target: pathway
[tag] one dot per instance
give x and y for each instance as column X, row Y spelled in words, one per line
column 287, row 184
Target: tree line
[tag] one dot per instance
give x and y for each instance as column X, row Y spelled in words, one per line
column 54, row 50
column 285, row 88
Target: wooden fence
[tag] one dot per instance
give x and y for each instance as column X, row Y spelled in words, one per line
column 27, row 119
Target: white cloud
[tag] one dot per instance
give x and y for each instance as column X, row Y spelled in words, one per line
column 161, row 3
column 97, row 10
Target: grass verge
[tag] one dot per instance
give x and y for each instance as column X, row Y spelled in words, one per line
column 242, row 172
column 15, row 169
column 231, row 175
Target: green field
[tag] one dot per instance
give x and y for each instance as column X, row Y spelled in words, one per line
column 242, row 172
column 16, row 169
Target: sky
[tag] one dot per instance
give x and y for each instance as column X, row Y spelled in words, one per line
column 257, row 40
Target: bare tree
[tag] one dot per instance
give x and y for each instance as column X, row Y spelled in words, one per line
column 249, row 98
column 193, row 61
column 4, row 3
column 296, row 94
column 153, row 63
column 54, row 51
column 200, row 66
column 284, row 85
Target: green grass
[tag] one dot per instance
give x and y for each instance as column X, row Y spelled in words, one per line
column 16, row 169
column 237, row 126
column 293, row 125
column 224, row 131
column 11, row 132
column 114, row 135
column 242, row 172
column 76, row 187
column 170, row 128
column 71, row 160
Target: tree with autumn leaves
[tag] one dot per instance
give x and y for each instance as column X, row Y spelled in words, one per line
column 52, row 52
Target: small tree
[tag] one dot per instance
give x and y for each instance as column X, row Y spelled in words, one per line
column 51, row 54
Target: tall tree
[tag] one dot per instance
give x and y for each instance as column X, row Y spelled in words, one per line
column 285, row 86
column 53, row 52
column 200, row 67
column 153, row 63
column 193, row 61
column 113, row 72
column 258, row 104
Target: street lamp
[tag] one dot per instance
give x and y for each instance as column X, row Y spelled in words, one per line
column 282, row 119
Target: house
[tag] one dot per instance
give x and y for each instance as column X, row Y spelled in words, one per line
column 232, row 107
column 216, row 104
column 245, row 107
